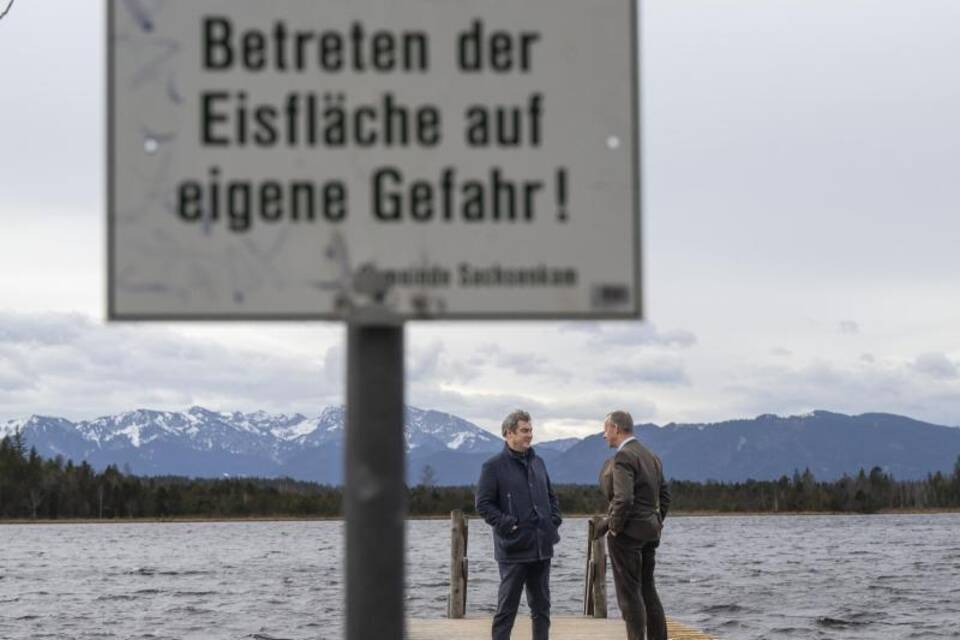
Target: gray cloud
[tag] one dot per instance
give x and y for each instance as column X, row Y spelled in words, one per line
column 863, row 387
column 431, row 363
column 523, row 363
column 74, row 367
column 70, row 365
column 849, row 327
column 12, row 377
column 633, row 334
column 936, row 365
column 662, row 371
column 334, row 366
column 492, row 406
column 33, row 329
column 819, row 385
column 423, row 362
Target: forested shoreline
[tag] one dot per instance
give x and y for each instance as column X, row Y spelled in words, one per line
column 35, row 488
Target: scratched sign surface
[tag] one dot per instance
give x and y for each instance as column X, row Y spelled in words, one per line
column 313, row 158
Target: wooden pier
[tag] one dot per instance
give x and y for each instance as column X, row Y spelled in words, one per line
column 593, row 625
column 561, row 628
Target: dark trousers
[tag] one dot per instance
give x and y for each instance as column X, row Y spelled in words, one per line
column 633, row 563
column 513, row 577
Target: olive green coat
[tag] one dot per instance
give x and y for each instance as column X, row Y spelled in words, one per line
column 639, row 498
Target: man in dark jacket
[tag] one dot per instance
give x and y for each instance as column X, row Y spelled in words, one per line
column 639, row 499
column 514, row 497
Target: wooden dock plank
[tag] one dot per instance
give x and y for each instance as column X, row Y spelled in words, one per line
column 561, row 628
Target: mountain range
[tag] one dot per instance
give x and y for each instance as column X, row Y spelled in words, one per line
column 204, row 443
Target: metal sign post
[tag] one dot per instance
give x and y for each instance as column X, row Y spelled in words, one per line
column 375, row 498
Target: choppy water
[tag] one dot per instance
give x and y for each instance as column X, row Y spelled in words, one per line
column 843, row 577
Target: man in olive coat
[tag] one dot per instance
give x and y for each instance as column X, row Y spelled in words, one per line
column 514, row 497
column 633, row 483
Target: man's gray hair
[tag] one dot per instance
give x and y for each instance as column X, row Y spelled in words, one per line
column 511, row 421
column 622, row 420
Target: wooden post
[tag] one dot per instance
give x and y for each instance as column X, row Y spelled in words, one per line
column 457, row 600
column 595, row 584
column 588, row 575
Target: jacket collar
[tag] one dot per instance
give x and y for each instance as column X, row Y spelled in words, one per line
column 519, row 457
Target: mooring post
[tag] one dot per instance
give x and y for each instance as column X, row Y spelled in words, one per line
column 375, row 493
column 595, row 584
column 457, row 600
column 588, row 571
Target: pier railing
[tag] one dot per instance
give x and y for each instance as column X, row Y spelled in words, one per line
column 592, row 624
column 595, row 578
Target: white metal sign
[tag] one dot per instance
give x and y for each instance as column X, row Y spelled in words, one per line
column 309, row 158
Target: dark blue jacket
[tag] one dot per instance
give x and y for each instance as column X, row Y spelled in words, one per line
column 514, row 490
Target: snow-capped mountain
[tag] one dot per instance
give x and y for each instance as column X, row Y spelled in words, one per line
column 202, row 442
column 433, row 430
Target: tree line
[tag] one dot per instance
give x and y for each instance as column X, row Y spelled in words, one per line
column 33, row 487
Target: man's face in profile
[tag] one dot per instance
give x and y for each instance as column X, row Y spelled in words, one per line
column 610, row 434
column 521, row 439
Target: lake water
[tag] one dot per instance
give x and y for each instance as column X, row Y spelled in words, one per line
column 749, row 577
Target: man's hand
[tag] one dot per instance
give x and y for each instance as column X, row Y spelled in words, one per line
column 602, row 529
column 509, row 525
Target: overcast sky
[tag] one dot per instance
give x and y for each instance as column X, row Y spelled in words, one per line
column 801, row 230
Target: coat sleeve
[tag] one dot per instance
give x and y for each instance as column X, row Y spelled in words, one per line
column 488, row 501
column 623, row 481
column 664, row 493
column 554, row 502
